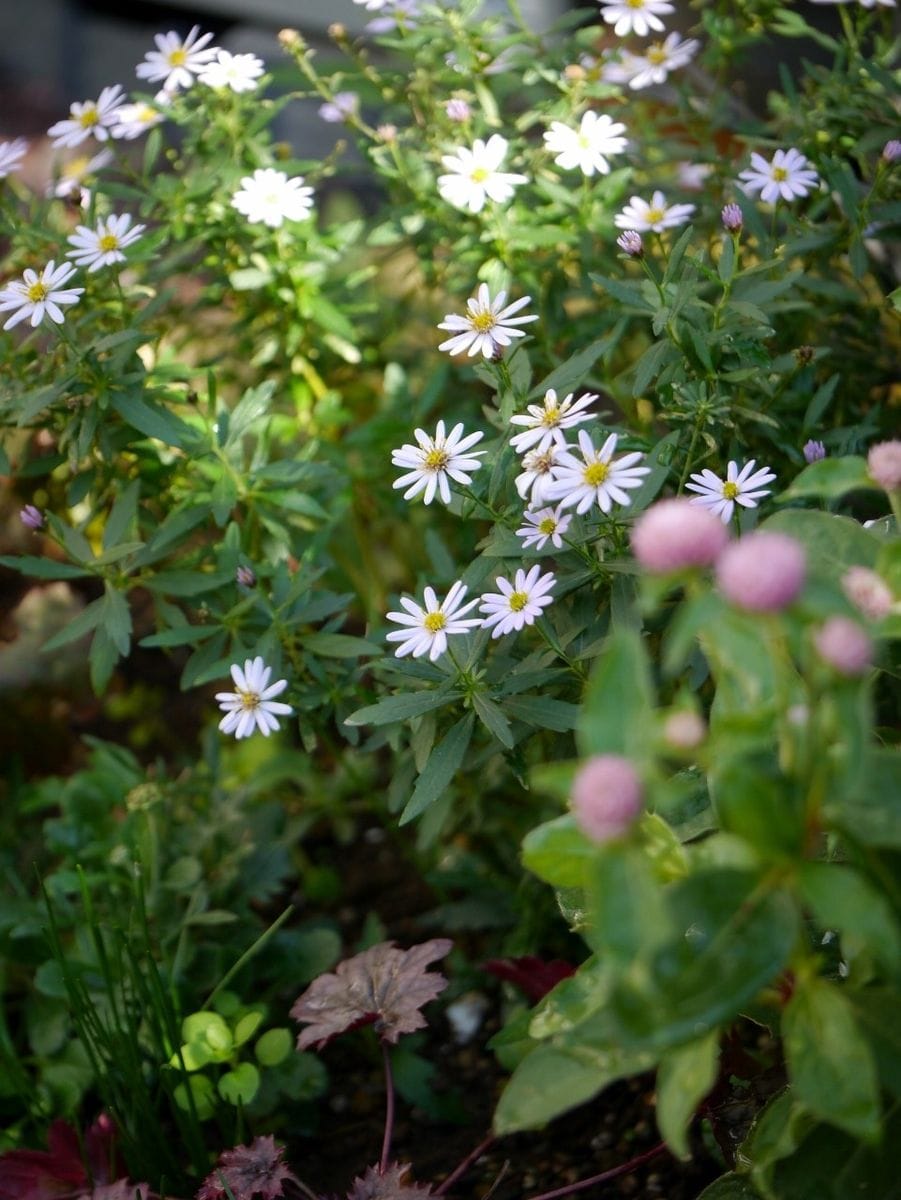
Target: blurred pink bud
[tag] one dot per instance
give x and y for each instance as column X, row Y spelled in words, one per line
column 457, row 109
column 675, row 534
column 630, row 243
column 845, row 646
column 684, row 730
column 891, row 151
column 868, row 592
column 732, row 218
column 884, row 465
column 246, row 577
column 763, row 572
column 606, row 797
column 31, row 517
column 814, row 451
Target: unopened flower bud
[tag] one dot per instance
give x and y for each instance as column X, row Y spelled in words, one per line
column 246, row 577
column 337, row 32
column 684, row 730
column 31, row 517
column 676, row 534
column 607, row 797
column 574, row 72
column 630, row 243
column 804, row 355
column 763, row 572
column 290, row 39
column 868, row 592
column 845, row 646
column 813, row 451
column 387, row 133
column 457, row 109
column 884, row 465
column 891, row 151
column 732, row 218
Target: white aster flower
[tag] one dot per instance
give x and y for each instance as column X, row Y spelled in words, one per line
column 90, row 118
column 654, row 216
column 544, row 423
column 240, row 72
column 659, row 59
column 864, row 3
column 744, row 487
column 543, row 525
column 595, row 478
column 433, row 460
column 486, row 326
column 270, row 197
column 518, row 603
column 636, row 16
column 252, row 706
column 693, row 176
column 374, row 5
column 475, row 176
column 537, row 476
column 76, row 171
column 426, row 630
column 134, row 119
column 11, row 155
column 176, row 61
column 588, row 146
column 103, row 245
column 34, row 296
column 787, row 176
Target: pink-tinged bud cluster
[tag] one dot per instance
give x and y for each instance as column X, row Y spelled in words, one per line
column 814, row 451
column 630, row 243
column 891, row 151
column 684, row 730
column 31, row 517
column 884, row 465
column 675, row 534
column 845, row 646
column 246, row 577
column 868, row 592
column 457, row 109
column 607, row 797
column 763, row 572
column 732, row 218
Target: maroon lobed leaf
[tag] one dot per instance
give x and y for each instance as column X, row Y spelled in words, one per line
column 532, row 975
column 254, row 1170
column 387, row 1185
column 382, row 986
column 60, row 1170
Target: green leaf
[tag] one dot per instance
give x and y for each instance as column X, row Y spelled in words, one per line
column 103, row 656
column 876, row 1010
column 402, row 708
column 117, row 618
column 223, row 498
column 566, row 377
column 730, row 1187
column 559, row 852
column 239, row 1086
column 274, row 1047
column 247, row 1026
column 833, row 542
column 122, row 515
column 629, row 294
column 179, row 635
column 155, row 422
column 829, row 1062
column 627, row 918
column 41, row 568
column 443, row 764
column 493, row 719
column 188, row 583
column 340, row 645
column 685, row 1076
column 726, row 265
column 829, row 478
column 618, row 707
column 843, row 899
column 177, row 524
column 254, row 404
column 89, row 618
column 775, row 1135
column 544, row 712
column 870, row 812
column 649, row 365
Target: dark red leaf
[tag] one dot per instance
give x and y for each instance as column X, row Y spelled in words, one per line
column 254, row 1170
column 375, row 1185
column 531, row 975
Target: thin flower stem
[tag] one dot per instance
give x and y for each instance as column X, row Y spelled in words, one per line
column 460, row 1170
column 389, row 1110
column 604, row 1176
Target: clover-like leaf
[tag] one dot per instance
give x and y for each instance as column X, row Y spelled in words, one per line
column 254, row 1170
column 383, row 986
column 388, row 1184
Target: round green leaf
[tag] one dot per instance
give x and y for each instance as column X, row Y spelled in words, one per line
column 240, row 1085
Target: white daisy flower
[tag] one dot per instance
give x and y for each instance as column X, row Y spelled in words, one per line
column 270, row 197
column 433, row 460
column 134, row 119
column 537, row 476
column 595, row 478
column 240, row 72
column 11, row 155
column 74, row 172
column 35, row 296
column 374, row 5
column 426, row 630
column 103, row 245
column 543, row 525
column 487, row 326
column 544, row 423
column 659, row 59
column 744, row 487
column 588, row 146
column 693, row 176
column 90, row 118
column 176, row 61
column 864, row 3
column 636, row 16
column 475, row 175
column 788, row 176
column 654, row 216
column 517, row 604
column 253, row 705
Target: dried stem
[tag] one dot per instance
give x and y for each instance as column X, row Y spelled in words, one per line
column 459, row 1171
column 624, row 1169
column 389, row 1110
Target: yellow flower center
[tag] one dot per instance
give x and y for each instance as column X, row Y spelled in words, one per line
column 551, row 417
column 108, row 242
column 730, row 490
column 483, row 322
column 435, row 460
column 542, row 463
column 76, row 168
column 780, row 174
column 249, row 700
column 653, row 215
column 178, row 58
column 595, row 473
column 656, row 54
column 435, row 621
column 479, row 174
column 547, row 526
column 584, row 142
column 635, row 3
column 36, row 293
column 89, row 118
column 518, row 601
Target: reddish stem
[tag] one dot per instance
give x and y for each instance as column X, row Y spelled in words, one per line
column 604, row 1175
column 389, row 1110
column 464, row 1166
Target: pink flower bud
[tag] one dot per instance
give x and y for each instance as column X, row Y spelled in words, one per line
column 246, row 577
column 814, row 451
column 31, row 517
column 606, row 797
column 684, row 730
column 884, row 465
column 763, row 572
column 891, row 151
column 845, row 646
column 732, row 218
column 675, row 534
column 457, row 109
column 630, row 243
column 868, row 592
